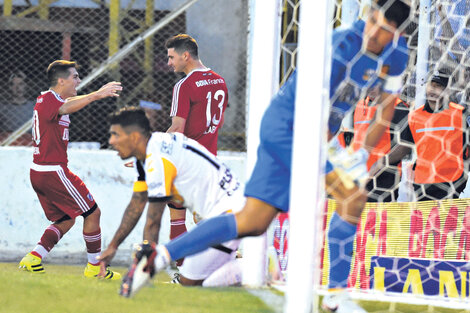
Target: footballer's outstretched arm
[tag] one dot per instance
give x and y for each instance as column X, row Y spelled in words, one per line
column 393, row 157
column 129, row 220
column 74, row 104
column 154, row 218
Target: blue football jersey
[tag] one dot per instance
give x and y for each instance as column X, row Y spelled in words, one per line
column 353, row 72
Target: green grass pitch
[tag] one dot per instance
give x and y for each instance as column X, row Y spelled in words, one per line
column 63, row 288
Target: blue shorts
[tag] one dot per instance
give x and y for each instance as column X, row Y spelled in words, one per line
column 270, row 180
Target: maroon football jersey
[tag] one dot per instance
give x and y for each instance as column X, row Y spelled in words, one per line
column 50, row 130
column 201, row 98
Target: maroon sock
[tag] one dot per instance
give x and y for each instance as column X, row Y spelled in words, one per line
column 49, row 239
column 93, row 245
column 177, row 227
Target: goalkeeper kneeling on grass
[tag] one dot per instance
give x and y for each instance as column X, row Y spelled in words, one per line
column 173, row 167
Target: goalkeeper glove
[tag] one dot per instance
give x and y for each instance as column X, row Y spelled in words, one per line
column 348, row 163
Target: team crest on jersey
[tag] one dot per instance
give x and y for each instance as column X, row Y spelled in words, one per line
column 89, row 196
column 155, row 185
column 64, row 120
column 368, row 74
column 166, row 147
column 385, row 69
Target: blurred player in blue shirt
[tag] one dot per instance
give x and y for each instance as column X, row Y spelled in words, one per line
column 367, row 54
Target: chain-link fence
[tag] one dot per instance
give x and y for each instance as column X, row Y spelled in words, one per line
column 443, row 45
column 35, row 33
column 448, row 42
column 289, row 35
column 450, row 45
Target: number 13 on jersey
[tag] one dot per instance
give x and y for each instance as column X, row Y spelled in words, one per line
column 219, row 97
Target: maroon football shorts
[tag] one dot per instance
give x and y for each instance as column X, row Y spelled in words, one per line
column 60, row 191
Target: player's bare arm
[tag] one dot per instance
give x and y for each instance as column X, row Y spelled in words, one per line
column 382, row 120
column 397, row 154
column 177, row 125
column 129, row 220
column 353, row 197
column 74, row 104
column 154, row 217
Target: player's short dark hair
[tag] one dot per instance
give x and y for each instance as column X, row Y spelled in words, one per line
column 441, row 78
column 182, row 43
column 130, row 117
column 16, row 74
column 396, row 11
column 59, row 69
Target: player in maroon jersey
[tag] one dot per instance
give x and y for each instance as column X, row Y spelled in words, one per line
column 200, row 98
column 198, row 106
column 62, row 194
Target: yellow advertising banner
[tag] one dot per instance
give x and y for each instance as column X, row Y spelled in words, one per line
column 416, row 230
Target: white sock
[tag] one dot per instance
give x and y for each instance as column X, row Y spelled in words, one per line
column 229, row 274
column 39, row 249
column 92, row 258
column 162, row 260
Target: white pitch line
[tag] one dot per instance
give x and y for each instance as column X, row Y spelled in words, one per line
column 271, row 299
column 405, row 298
column 274, row 301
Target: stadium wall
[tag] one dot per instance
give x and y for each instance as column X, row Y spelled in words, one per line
column 22, row 220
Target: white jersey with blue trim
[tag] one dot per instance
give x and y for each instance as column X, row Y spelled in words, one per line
column 181, row 170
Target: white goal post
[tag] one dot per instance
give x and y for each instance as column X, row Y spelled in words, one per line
column 262, row 83
column 307, row 189
column 307, row 194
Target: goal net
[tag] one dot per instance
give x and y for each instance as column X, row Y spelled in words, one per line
column 410, row 249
